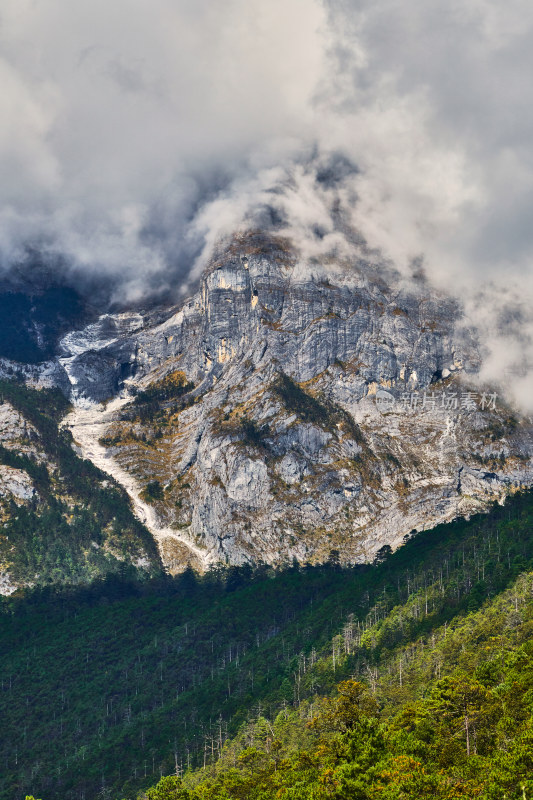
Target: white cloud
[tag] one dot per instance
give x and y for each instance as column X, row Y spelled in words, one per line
column 134, row 135
column 147, row 106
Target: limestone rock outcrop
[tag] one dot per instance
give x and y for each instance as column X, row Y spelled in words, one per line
column 321, row 407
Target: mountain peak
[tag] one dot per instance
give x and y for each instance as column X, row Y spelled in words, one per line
column 326, row 408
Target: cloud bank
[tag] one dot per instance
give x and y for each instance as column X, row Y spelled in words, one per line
column 135, row 135
column 121, row 120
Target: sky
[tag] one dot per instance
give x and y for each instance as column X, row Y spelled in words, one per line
column 135, row 135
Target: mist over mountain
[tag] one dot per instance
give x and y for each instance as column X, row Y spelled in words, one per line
column 266, row 399
column 134, row 138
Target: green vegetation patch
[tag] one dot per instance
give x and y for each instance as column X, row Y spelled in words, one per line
column 319, row 412
column 37, row 472
column 161, row 399
column 128, row 681
column 246, row 430
column 297, row 401
column 172, row 386
column 81, row 525
column 153, row 491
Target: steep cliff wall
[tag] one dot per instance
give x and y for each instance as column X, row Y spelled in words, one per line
column 305, row 409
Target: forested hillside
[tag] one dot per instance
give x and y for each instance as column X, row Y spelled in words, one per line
column 107, row 689
column 72, row 523
column 447, row 716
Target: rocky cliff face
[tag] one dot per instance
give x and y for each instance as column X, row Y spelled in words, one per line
column 287, row 410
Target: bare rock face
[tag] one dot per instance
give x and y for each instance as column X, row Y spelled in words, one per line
column 287, row 410
column 19, row 436
column 15, row 483
column 16, row 433
column 16, row 486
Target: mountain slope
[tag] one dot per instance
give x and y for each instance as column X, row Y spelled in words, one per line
column 457, row 722
column 64, row 521
column 105, row 687
column 285, row 410
column 289, row 409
